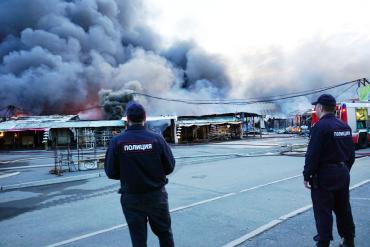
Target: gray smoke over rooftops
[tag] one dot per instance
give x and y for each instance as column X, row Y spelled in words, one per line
column 59, row 56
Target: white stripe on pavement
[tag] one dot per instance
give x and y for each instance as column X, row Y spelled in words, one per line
column 363, row 158
column 50, row 181
column 267, row 184
column 86, row 236
column 281, row 219
column 24, row 159
column 236, row 155
column 360, row 198
column 359, row 184
column 6, row 175
column 253, row 233
column 25, row 167
column 172, row 211
column 201, row 202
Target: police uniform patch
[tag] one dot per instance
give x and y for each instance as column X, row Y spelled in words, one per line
column 342, row 133
column 137, row 147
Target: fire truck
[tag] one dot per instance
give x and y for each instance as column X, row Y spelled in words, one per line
column 357, row 116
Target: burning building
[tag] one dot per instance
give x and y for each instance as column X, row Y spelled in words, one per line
column 25, row 132
column 56, row 131
column 217, row 127
column 163, row 125
column 70, row 131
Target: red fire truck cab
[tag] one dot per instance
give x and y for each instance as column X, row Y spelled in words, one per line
column 357, row 116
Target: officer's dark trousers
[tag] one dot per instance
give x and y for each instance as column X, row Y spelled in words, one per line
column 332, row 195
column 141, row 208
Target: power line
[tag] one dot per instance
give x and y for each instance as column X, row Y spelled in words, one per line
column 312, row 90
column 344, row 91
column 264, row 99
column 267, row 99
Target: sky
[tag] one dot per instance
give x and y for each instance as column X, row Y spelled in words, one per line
column 92, row 52
column 290, row 44
column 238, row 27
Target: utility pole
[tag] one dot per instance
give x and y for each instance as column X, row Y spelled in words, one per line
column 363, row 82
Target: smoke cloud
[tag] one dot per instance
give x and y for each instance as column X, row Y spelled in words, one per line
column 115, row 102
column 317, row 63
column 64, row 56
column 69, row 56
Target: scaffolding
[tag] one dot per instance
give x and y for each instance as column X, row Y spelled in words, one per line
column 86, row 149
column 85, row 153
column 88, row 141
column 63, row 161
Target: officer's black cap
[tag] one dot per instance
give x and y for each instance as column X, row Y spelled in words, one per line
column 325, row 99
column 135, row 112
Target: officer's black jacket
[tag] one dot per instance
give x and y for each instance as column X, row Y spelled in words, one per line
column 330, row 143
column 140, row 159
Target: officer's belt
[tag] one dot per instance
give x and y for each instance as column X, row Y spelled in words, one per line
column 338, row 164
column 125, row 191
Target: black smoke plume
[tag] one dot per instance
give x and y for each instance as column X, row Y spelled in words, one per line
column 57, row 55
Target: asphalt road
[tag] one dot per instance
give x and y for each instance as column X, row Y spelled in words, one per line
column 299, row 230
column 217, row 194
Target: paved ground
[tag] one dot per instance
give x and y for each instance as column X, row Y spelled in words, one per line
column 214, row 200
column 28, row 166
column 299, row 230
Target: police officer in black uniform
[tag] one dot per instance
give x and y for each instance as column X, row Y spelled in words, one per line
column 141, row 159
column 329, row 158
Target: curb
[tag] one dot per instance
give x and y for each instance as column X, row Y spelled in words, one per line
column 52, row 181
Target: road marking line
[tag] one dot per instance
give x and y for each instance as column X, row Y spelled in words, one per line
column 253, row 233
column 25, row 167
column 359, row 184
column 172, row 211
column 278, row 221
column 267, row 184
column 231, row 194
column 234, row 155
column 50, row 181
column 295, row 212
column 201, row 202
column 24, row 159
column 360, row 198
column 86, row 236
column 363, row 158
column 9, row 174
column 125, row 225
